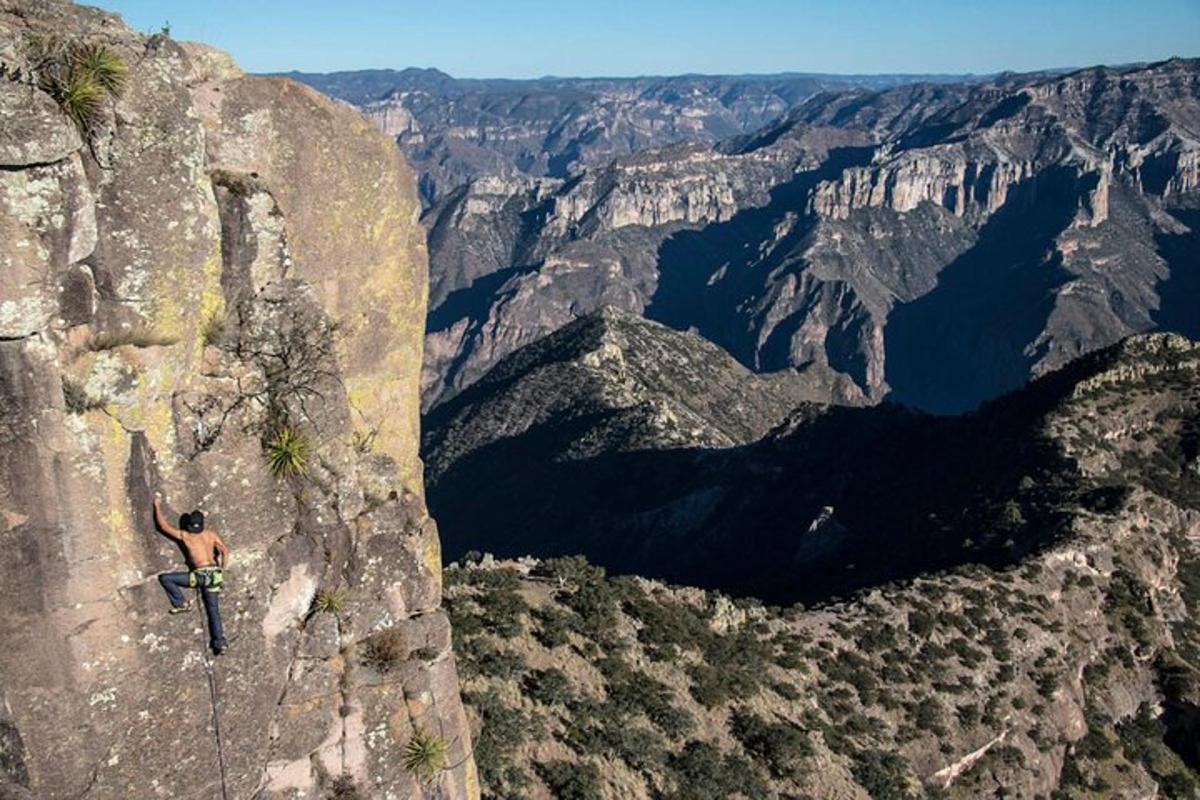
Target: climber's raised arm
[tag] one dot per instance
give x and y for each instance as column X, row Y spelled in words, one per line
column 161, row 521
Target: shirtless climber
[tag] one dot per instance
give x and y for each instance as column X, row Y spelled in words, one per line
column 205, row 572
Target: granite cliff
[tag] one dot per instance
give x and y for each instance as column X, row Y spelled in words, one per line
column 197, row 262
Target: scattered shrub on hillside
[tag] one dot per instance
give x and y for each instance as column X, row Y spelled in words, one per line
column 596, row 730
column 569, row 571
column 554, row 626
column 884, row 775
column 567, row 781
column 502, row 664
column 1142, row 740
column 734, row 666
column 702, row 772
column 598, row 606
column 781, row 746
column 504, row 611
column 550, row 687
column 503, row 731
column 631, row 692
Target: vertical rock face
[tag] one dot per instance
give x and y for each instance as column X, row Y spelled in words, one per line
column 217, row 258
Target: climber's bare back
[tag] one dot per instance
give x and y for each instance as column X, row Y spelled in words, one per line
column 200, row 548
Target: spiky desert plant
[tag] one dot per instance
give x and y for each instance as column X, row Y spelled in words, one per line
column 102, row 65
column 330, row 601
column 287, row 452
column 80, row 76
column 425, row 754
column 81, row 99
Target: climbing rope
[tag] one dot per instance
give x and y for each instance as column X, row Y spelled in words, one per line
column 213, row 696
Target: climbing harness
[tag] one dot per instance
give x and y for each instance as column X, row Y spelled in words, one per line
column 214, row 696
column 214, row 577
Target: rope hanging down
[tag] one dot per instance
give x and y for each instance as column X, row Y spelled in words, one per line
column 215, row 698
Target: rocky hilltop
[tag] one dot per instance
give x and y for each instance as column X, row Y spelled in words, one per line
column 215, row 287
column 454, row 130
column 937, row 243
column 612, row 382
column 1045, row 646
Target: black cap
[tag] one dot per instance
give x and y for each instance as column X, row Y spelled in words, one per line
column 193, row 522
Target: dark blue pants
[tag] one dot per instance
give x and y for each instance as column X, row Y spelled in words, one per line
column 173, row 582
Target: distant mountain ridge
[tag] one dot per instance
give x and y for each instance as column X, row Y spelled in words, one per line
column 938, row 243
column 457, row 129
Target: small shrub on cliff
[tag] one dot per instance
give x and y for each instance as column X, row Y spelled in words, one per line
column 344, row 788
column 384, row 650
column 76, row 397
column 102, row 66
column 287, row 452
column 425, row 754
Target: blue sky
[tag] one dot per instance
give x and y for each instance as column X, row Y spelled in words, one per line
column 529, row 38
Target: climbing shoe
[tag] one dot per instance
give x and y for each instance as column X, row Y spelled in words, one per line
column 181, row 609
column 218, row 649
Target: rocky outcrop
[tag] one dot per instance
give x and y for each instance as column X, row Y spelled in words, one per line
column 214, row 259
column 614, row 382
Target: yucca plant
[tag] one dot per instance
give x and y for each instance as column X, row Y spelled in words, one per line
column 287, row 452
column 425, row 754
column 330, row 601
column 102, row 65
column 81, row 99
column 79, row 76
